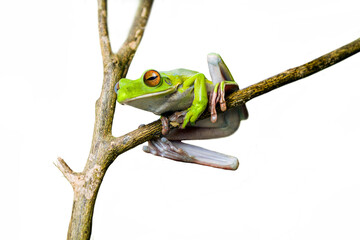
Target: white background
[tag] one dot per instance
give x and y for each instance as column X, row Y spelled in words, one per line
column 298, row 151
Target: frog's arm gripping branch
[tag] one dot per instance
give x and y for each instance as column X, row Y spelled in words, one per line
column 200, row 98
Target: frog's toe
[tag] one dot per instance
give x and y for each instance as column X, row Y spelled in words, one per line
column 222, row 97
column 186, row 120
column 213, row 118
column 149, row 149
column 215, row 97
column 146, row 149
column 190, row 117
column 193, row 119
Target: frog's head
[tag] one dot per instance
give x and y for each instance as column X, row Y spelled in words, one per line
column 148, row 89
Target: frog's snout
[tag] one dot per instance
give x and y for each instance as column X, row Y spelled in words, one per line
column 117, row 87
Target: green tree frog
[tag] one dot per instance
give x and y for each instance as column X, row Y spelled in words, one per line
column 180, row 96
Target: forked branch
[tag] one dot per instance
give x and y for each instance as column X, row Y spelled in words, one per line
column 105, row 148
column 86, row 184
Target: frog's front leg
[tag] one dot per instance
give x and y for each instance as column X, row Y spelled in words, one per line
column 200, row 98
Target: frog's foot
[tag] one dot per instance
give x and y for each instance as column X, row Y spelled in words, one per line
column 179, row 151
column 164, row 148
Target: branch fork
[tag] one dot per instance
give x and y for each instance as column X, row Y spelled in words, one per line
column 105, row 148
column 82, row 183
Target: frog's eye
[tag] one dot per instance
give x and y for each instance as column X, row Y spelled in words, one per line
column 152, row 78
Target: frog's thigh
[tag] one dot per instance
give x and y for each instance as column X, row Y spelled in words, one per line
column 228, row 122
column 218, row 70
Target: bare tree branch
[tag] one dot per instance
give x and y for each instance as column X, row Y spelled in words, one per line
column 294, row 74
column 86, row 184
column 147, row 132
column 105, row 148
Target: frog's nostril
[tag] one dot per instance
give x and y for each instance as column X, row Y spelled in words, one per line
column 116, row 88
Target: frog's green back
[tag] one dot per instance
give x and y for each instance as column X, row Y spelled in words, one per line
column 181, row 74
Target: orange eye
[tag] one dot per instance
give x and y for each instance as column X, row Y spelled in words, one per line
column 152, row 78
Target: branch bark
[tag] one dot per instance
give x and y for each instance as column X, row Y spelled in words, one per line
column 105, row 147
column 103, row 31
column 86, row 184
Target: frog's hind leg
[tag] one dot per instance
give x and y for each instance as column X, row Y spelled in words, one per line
column 179, row 151
column 218, row 70
column 171, row 147
column 227, row 123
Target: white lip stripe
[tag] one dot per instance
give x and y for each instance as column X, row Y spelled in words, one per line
column 149, row 95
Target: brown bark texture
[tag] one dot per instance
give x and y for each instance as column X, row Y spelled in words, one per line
column 105, row 148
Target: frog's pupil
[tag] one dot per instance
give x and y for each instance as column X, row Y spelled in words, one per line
column 151, row 78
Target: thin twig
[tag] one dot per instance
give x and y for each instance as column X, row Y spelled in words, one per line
column 128, row 49
column 294, row 74
column 103, row 31
column 65, row 169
